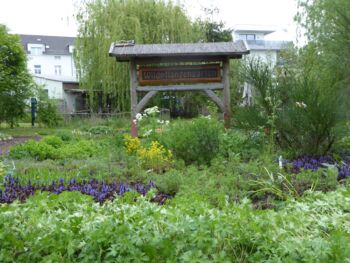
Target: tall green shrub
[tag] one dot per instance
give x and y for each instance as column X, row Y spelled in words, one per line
column 195, row 141
column 47, row 112
column 299, row 104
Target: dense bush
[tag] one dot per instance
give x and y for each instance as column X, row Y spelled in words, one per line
column 52, row 140
column 65, row 135
column 307, row 120
column 48, row 112
column 52, row 147
column 298, row 106
column 246, row 145
column 79, row 150
column 195, row 141
column 37, row 150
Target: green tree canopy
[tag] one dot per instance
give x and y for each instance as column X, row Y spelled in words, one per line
column 327, row 25
column 15, row 81
column 102, row 22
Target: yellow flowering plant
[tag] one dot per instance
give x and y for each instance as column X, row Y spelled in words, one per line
column 155, row 157
column 132, row 144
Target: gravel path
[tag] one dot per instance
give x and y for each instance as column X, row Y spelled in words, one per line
column 5, row 145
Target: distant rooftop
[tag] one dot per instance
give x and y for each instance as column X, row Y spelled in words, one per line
column 195, row 50
column 54, row 45
column 264, row 29
column 267, row 44
column 63, row 79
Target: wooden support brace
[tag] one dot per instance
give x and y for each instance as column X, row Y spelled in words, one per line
column 216, row 99
column 145, row 100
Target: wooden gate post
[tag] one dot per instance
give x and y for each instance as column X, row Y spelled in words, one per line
column 133, row 96
column 226, row 92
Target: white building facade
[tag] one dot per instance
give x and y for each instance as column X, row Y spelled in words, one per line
column 51, row 62
column 266, row 50
column 254, row 36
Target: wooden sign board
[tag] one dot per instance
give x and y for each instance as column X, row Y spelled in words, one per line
column 180, row 74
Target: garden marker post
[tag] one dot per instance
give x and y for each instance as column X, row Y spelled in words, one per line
column 200, row 67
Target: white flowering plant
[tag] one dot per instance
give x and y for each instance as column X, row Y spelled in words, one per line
column 149, row 122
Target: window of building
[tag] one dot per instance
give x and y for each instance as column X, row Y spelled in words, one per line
column 242, row 36
column 36, row 51
column 37, row 69
column 58, row 70
column 250, row 37
column 57, row 57
column 71, row 48
column 247, row 36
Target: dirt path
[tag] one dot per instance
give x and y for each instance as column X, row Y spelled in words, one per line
column 5, row 145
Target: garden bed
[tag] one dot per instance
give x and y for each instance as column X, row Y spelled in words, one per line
column 6, row 145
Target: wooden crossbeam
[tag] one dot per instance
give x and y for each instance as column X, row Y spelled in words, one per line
column 194, row 87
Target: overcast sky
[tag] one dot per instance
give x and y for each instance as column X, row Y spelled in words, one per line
column 56, row 17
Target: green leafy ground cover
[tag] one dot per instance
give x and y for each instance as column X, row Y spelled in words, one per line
column 72, row 228
column 234, row 205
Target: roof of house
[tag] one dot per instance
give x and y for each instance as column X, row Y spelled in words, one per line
column 54, row 45
column 264, row 29
column 125, row 52
column 63, row 79
column 267, row 44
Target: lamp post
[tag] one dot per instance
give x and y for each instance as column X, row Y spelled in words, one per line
column 34, row 104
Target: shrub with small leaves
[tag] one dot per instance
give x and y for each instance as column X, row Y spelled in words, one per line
column 52, row 147
column 79, row 150
column 196, row 141
column 37, row 150
column 52, row 140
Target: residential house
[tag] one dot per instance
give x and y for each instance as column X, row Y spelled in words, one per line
column 266, row 50
column 50, row 60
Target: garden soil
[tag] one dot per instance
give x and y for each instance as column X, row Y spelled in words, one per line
column 6, row 145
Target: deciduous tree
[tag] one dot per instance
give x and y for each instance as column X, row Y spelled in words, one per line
column 15, row 81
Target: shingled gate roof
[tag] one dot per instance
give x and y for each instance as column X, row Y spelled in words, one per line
column 127, row 51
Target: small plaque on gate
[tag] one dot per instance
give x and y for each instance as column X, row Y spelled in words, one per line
column 180, row 74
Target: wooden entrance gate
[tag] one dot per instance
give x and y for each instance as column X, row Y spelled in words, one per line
column 198, row 67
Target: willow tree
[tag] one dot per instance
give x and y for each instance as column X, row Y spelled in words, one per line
column 102, row 22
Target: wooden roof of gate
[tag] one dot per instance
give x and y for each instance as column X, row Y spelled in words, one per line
column 129, row 51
